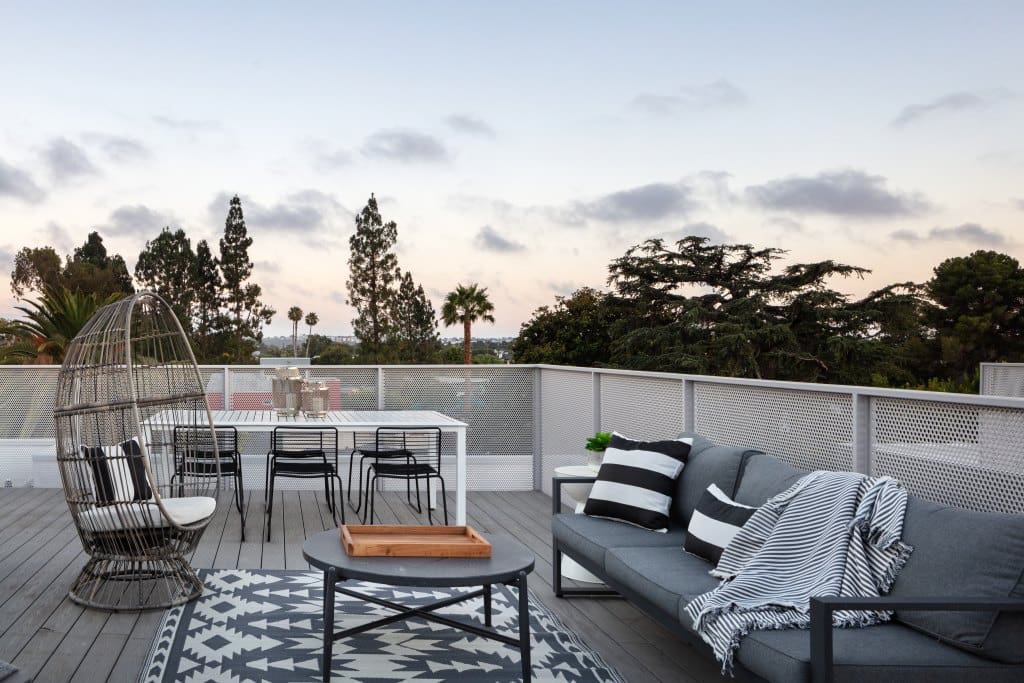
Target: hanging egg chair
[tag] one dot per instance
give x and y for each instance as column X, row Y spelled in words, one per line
column 129, row 378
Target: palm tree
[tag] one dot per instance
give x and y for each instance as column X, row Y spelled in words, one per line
column 466, row 305
column 52, row 322
column 295, row 315
column 311, row 320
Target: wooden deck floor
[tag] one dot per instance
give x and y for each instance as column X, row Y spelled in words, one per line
column 51, row 639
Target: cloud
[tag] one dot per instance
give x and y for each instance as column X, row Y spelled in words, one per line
column 470, row 125
column 137, row 220
column 720, row 93
column 187, row 125
column 333, row 159
column 338, row 296
column 953, row 102
column 651, row 202
column 967, row 232
column 1019, row 203
column 67, row 161
column 118, row 148
column 840, row 193
column 267, row 266
column 6, row 259
column 311, row 215
column 58, row 238
column 18, row 184
column 488, row 239
column 700, row 229
column 406, row 146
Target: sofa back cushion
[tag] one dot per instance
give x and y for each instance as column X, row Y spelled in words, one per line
column 967, row 554
column 763, row 476
column 707, row 464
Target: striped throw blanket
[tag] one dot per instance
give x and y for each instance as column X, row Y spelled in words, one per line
column 831, row 533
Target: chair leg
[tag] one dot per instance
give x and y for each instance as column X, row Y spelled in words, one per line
column 270, row 503
column 351, row 462
column 340, row 505
column 371, row 495
column 444, row 500
column 240, row 498
column 329, row 492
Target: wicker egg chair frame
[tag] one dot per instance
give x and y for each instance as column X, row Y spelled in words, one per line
column 128, row 379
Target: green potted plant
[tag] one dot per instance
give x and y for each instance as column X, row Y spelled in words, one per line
column 596, row 445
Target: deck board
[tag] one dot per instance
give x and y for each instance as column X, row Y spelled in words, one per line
column 50, row 638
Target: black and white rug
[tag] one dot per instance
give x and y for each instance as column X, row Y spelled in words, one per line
column 262, row 625
column 7, row 670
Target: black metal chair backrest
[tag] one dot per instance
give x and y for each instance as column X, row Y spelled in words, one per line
column 194, row 449
column 423, row 444
column 304, row 442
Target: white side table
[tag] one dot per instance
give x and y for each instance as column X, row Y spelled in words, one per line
column 571, row 569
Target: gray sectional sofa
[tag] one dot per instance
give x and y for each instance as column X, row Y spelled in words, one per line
column 959, row 556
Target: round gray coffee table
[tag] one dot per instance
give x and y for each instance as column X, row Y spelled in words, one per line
column 508, row 565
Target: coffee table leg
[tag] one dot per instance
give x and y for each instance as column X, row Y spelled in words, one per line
column 487, row 604
column 330, row 578
column 524, row 627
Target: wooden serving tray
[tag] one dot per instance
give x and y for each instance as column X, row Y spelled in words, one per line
column 413, row 541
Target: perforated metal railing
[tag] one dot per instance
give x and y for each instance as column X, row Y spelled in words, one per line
column 1002, row 379
column 524, row 421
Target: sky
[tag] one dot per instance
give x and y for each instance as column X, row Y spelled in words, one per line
column 521, row 146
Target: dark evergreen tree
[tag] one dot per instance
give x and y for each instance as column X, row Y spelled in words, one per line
column 91, row 270
column 413, row 323
column 577, row 330
column 246, row 313
column 167, row 266
column 373, row 276
column 207, row 319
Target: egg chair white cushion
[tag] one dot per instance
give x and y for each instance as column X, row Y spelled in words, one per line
column 147, row 515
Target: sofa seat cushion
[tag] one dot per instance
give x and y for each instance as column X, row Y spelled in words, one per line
column 588, row 537
column 661, row 576
column 970, row 554
column 887, row 653
column 762, row 477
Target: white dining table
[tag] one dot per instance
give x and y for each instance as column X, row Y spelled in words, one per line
column 353, row 421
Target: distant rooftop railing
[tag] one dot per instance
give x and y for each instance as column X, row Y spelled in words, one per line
column 1002, row 379
column 526, row 420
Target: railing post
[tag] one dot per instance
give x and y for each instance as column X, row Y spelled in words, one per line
column 689, row 409
column 861, row 445
column 227, row 389
column 597, row 401
column 380, row 387
column 538, row 431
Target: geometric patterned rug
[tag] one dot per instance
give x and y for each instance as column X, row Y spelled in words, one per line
column 7, row 670
column 264, row 625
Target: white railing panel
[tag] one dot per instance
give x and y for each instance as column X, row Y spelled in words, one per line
column 567, row 420
column 644, row 408
column 808, row 429
column 1002, row 379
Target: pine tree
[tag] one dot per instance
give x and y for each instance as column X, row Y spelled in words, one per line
column 414, row 323
column 373, row 274
column 247, row 314
column 166, row 266
column 207, row 287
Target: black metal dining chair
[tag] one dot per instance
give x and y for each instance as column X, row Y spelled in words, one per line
column 304, row 453
column 420, row 460
column 194, row 456
column 378, row 446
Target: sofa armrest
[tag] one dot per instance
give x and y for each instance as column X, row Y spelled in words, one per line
column 556, row 489
column 822, row 607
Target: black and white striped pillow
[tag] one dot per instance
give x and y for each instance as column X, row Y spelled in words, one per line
column 715, row 521
column 636, row 481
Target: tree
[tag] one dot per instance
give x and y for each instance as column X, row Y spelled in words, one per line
column 413, row 323
column 577, row 330
column 295, row 315
column 242, row 298
column 167, row 266
column 975, row 313
column 91, row 270
column 721, row 310
column 373, row 273
column 336, row 353
column 311, row 320
column 466, row 305
column 53, row 321
column 35, row 269
column 207, row 289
